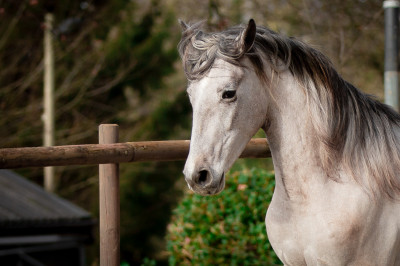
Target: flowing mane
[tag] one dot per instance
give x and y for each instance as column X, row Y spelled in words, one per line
column 355, row 128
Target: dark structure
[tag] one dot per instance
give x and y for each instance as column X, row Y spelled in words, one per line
column 39, row 228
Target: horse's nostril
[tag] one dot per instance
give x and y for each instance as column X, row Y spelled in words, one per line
column 202, row 177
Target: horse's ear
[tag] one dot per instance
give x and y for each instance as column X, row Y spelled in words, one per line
column 248, row 36
column 184, row 26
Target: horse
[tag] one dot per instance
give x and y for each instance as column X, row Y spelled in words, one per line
column 335, row 150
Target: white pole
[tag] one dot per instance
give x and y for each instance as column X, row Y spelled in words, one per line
column 48, row 104
column 391, row 77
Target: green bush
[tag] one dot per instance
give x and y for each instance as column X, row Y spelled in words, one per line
column 227, row 229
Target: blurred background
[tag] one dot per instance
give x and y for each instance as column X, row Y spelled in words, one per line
column 116, row 62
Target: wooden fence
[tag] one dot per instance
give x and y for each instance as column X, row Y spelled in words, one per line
column 108, row 154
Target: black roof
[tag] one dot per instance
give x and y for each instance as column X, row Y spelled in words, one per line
column 25, row 204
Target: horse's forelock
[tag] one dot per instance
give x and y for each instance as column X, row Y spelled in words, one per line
column 198, row 49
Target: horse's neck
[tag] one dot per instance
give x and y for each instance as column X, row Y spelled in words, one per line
column 293, row 142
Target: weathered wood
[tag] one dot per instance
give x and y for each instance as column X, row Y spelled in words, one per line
column 256, row 148
column 109, row 202
column 91, row 154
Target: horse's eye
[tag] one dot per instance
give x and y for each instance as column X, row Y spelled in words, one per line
column 228, row 94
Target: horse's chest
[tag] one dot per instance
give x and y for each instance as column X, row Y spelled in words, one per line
column 326, row 237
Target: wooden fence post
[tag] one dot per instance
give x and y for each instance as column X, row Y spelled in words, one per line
column 109, row 202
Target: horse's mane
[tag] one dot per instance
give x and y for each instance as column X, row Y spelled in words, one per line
column 358, row 131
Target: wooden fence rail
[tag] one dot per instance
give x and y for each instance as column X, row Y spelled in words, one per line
column 93, row 154
column 108, row 155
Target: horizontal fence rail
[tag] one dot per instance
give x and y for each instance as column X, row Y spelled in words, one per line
column 92, row 154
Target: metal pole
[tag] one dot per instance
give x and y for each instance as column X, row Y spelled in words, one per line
column 391, row 8
column 48, row 101
column 109, row 202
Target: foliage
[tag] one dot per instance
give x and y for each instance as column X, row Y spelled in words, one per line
column 148, row 262
column 227, row 229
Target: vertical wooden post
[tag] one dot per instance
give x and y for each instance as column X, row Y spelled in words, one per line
column 109, row 202
column 48, row 101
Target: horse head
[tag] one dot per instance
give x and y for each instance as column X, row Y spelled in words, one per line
column 228, row 100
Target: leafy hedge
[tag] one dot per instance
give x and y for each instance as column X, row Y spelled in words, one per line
column 227, row 229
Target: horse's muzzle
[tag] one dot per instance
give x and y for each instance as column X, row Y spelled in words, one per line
column 205, row 182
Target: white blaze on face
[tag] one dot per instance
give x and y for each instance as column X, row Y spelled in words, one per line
column 229, row 106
